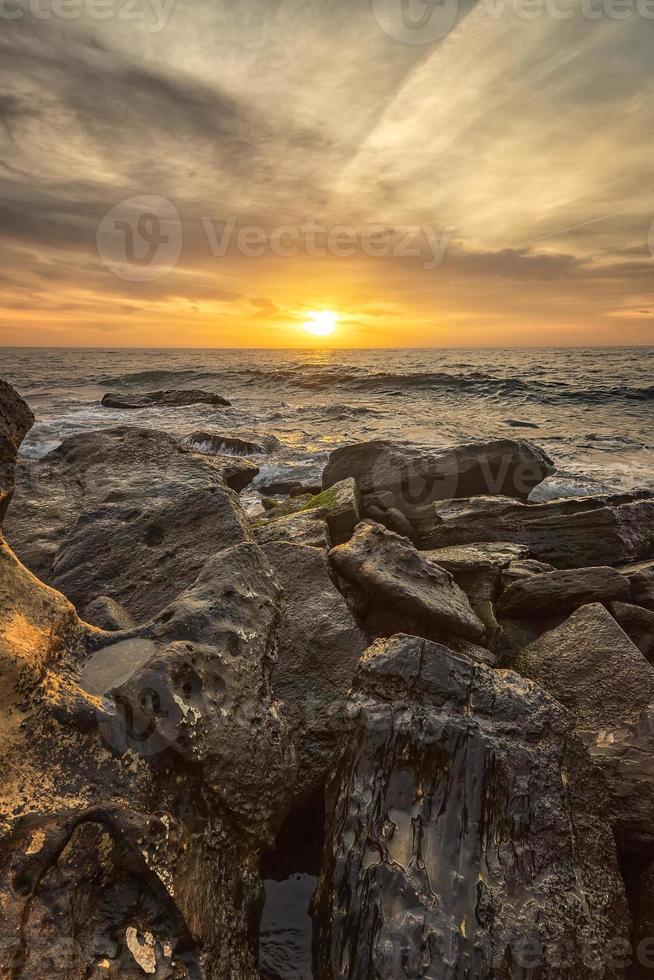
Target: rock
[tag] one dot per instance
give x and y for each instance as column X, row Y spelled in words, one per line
column 303, row 528
column 123, row 465
column 638, row 624
column 219, row 444
column 319, row 649
column 107, row 614
column 339, row 506
column 16, row 419
column 237, row 473
column 170, row 398
column 392, row 576
column 143, row 556
column 562, row 591
column 589, row 664
column 288, row 488
column 477, row 569
column 574, row 532
column 134, row 811
column 515, row 571
column 641, row 581
column 448, row 765
column 394, row 479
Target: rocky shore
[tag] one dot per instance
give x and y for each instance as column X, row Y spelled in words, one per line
column 401, row 727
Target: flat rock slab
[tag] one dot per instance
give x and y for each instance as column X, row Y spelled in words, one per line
column 306, row 527
column 575, row 532
column 392, row 575
column 114, row 665
column 589, row 664
column 219, row 443
column 422, row 877
column 171, row 398
column 562, row 591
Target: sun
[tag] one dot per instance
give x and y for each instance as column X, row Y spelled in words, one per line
column 322, row 323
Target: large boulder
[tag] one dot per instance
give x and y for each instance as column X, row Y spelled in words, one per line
column 320, row 646
column 395, row 480
column 465, row 834
column 220, row 443
column 562, row 591
column 305, row 527
column 144, row 773
column 144, row 555
column 589, row 664
column 389, row 575
column 575, row 532
column 126, row 465
column 169, row 399
column 16, row 419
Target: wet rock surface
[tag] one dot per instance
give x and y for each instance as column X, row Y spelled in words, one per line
column 170, row 398
column 388, row 574
column 464, row 835
column 219, row 444
column 165, row 746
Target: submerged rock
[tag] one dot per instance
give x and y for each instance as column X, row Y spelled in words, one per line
column 219, row 444
column 465, row 836
column 391, row 576
column 394, row 480
column 574, row 532
column 562, row 591
column 171, row 398
column 589, row 664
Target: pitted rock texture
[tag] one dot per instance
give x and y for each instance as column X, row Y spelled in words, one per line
column 389, row 575
column 134, row 810
column 465, row 837
column 142, row 556
column 126, row 465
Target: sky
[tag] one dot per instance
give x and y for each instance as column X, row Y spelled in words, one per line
column 212, row 173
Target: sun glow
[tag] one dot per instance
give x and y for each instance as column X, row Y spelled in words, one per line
column 322, row 323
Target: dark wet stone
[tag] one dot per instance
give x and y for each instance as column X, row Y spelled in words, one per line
column 170, row 398
column 562, row 591
column 16, row 419
column 465, row 836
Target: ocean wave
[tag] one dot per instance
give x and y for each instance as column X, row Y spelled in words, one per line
column 346, row 378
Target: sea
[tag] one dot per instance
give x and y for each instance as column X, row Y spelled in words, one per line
column 591, row 409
